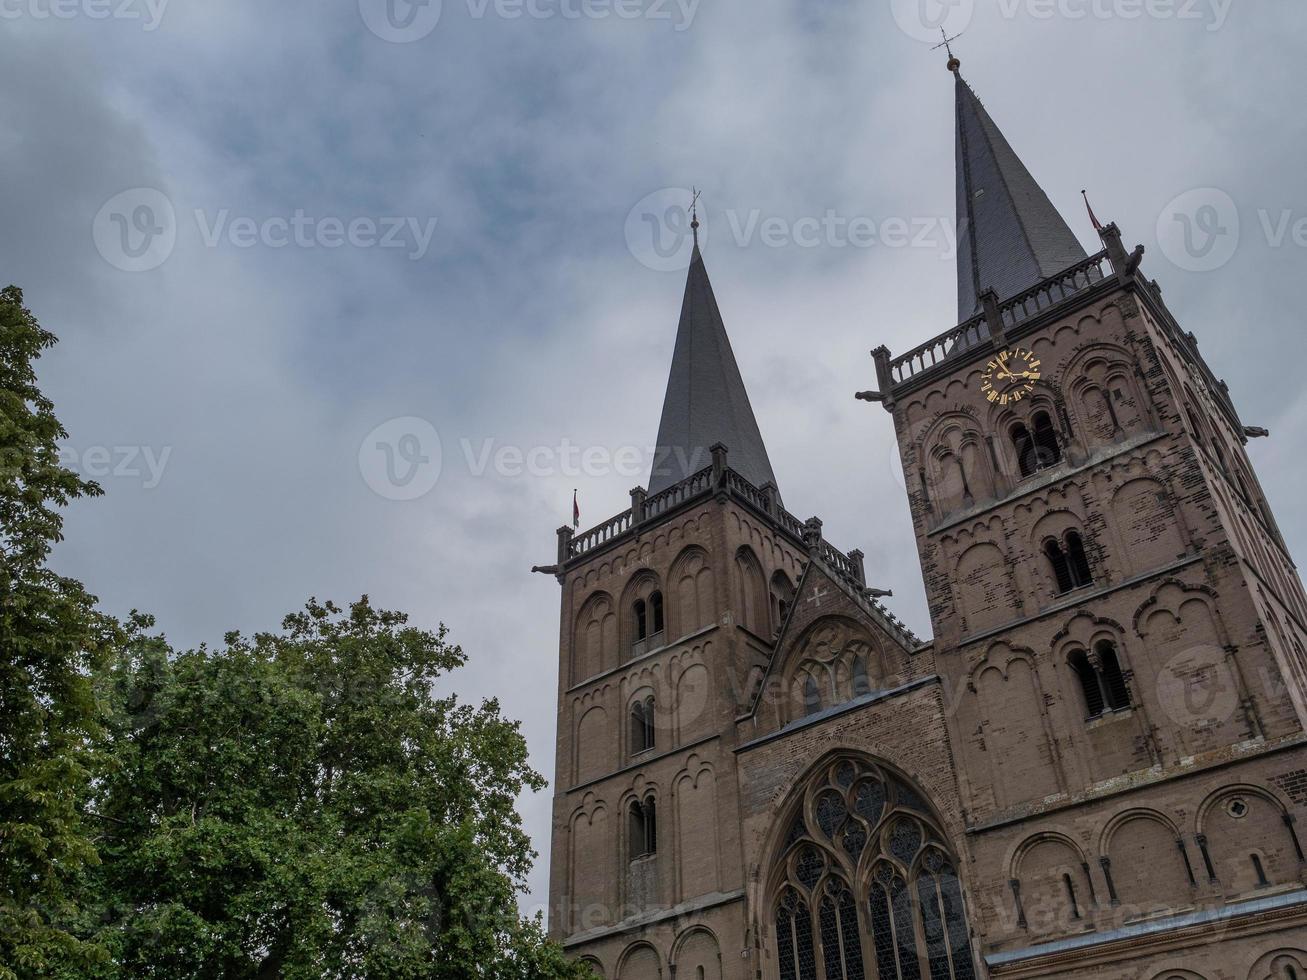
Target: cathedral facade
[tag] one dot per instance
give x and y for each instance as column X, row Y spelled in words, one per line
column 1096, row 767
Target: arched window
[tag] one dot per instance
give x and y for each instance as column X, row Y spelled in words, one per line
column 782, row 595
column 1077, row 563
column 1024, row 445
column 1047, row 451
column 861, row 683
column 1068, row 562
column 647, row 621
column 1104, row 686
column 1115, row 690
column 811, row 696
column 642, row 725
column 643, row 829
column 1089, row 686
column 641, row 613
column 1061, row 570
column 906, row 912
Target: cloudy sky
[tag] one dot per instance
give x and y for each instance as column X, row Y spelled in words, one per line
column 293, row 250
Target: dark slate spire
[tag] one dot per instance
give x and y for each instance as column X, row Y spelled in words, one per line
column 705, row 402
column 1009, row 234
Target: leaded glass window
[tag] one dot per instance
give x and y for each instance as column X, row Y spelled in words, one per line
column 864, row 874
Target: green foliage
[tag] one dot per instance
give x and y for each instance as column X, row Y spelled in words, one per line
column 50, row 640
column 303, row 804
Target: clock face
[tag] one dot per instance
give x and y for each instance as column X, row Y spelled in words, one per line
column 1010, row 376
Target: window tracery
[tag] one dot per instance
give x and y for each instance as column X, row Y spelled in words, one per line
column 865, row 878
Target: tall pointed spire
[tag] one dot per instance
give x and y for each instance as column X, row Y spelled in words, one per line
column 1010, row 236
column 705, row 402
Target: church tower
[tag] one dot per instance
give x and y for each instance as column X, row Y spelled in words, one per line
column 1095, row 769
column 1118, row 624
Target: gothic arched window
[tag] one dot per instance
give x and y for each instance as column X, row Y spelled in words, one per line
column 1047, row 451
column 1103, row 685
column 811, row 696
column 1089, row 686
column 643, row 828
column 642, row 725
column 1069, row 564
column 1061, row 569
column 865, row 876
column 1077, row 563
column 1024, row 445
column 646, row 630
column 1115, row 690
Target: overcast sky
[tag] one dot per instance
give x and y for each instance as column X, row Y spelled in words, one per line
column 264, row 232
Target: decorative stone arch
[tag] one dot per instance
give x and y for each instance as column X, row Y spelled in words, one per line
column 1248, row 838
column 593, row 965
column 1178, row 974
column 594, row 637
column 1287, row 963
column 840, row 654
column 640, row 961
column 1111, row 373
column 693, row 602
column 695, row 954
column 1145, row 862
column 695, row 830
column 591, row 848
column 1003, row 419
column 859, row 871
column 638, row 616
column 1006, row 676
column 1052, row 884
column 957, row 460
column 750, row 593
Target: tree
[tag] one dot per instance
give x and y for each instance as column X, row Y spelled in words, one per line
column 51, row 638
column 303, row 804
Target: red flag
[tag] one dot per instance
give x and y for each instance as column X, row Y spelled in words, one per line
column 1092, row 217
column 576, row 511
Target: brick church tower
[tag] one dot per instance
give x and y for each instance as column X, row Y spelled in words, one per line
column 1096, row 767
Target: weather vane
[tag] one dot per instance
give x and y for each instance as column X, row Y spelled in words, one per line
column 694, row 213
column 947, row 44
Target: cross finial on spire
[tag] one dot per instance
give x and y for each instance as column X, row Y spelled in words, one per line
column 694, row 215
column 953, row 63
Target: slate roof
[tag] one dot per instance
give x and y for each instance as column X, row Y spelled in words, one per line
column 1010, row 236
column 706, row 402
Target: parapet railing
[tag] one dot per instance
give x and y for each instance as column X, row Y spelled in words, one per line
column 1046, row 295
column 720, row 478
